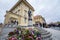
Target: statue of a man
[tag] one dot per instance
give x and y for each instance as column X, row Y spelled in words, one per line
column 29, row 13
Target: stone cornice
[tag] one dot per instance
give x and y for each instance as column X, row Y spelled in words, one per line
column 20, row 2
column 14, row 14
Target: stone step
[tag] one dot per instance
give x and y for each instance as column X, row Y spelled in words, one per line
column 47, row 35
column 44, row 34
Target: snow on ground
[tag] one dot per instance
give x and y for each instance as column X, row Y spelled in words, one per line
column 55, row 33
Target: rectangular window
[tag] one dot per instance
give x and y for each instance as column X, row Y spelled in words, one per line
column 25, row 19
column 18, row 10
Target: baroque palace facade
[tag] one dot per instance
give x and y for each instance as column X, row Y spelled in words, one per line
column 21, row 12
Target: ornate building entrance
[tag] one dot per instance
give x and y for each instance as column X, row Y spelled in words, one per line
column 13, row 20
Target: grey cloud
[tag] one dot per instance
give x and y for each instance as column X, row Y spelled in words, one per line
column 49, row 9
column 5, row 5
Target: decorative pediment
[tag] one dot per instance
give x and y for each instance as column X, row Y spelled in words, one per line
column 20, row 2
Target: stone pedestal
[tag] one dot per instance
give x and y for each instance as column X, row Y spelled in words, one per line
column 30, row 23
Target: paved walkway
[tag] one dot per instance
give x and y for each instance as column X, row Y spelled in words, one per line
column 55, row 33
column 5, row 32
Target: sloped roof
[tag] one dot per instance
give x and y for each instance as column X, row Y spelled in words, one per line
column 37, row 16
column 20, row 2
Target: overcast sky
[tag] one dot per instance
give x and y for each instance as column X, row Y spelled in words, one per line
column 49, row 9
